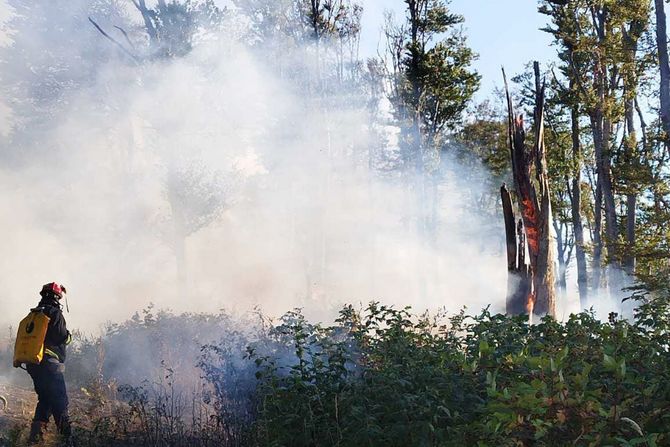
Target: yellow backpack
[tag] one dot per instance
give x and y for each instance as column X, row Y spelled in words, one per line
column 29, row 347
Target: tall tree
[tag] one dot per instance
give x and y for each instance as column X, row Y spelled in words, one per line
column 172, row 27
column 432, row 78
column 575, row 194
column 431, row 83
column 598, row 47
column 664, row 66
column 634, row 26
column 170, row 30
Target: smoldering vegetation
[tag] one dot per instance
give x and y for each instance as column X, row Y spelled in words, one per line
column 377, row 376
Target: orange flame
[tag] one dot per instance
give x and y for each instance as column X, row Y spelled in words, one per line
column 531, row 223
column 530, row 304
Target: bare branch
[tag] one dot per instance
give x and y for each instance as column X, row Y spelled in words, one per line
column 147, row 17
column 114, row 41
column 125, row 34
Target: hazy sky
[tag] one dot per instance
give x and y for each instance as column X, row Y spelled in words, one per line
column 499, row 33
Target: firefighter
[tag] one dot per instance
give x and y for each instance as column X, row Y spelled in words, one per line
column 48, row 376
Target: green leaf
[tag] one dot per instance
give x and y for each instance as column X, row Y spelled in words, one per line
column 621, row 369
column 609, row 362
column 484, row 348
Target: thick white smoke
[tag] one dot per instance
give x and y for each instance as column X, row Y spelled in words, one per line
column 209, row 182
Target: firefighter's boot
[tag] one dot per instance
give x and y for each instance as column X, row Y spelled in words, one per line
column 65, row 431
column 37, row 430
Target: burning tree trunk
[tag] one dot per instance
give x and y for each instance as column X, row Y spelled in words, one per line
column 529, row 169
column 518, row 279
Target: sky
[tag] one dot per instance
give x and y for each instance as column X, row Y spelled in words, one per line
column 500, row 34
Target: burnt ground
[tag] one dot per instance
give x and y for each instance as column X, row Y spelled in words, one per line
column 16, row 417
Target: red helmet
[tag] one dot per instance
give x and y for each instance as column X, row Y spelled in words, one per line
column 56, row 289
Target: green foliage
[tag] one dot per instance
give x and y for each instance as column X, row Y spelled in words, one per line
column 386, row 377
column 485, row 137
column 432, row 80
column 299, row 393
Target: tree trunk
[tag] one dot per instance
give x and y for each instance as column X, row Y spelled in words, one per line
column 664, row 66
column 597, row 238
column 631, row 38
column 518, row 277
column 631, row 196
column 563, row 256
column 576, row 202
column 529, row 169
column 602, row 130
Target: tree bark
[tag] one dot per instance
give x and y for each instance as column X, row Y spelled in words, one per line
column 564, row 254
column 664, row 66
column 576, row 207
column 602, row 129
column 518, row 277
column 631, row 38
column 597, row 239
column 601, row 137
column 631, row 196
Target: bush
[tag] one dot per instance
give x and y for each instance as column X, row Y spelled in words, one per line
column 379, row 377
column 387, row 377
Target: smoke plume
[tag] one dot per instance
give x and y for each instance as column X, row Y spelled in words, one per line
column 211, row 181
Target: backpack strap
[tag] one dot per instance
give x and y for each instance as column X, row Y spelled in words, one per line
column 50, row 353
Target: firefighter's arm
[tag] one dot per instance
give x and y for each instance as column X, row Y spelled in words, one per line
column 60, row 328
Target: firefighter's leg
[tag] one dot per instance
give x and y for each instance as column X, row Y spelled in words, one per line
column 42, row 410
column 37, row 431
column 58, row 399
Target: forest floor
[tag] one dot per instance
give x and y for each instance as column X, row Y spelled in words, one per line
column 20, row 406
column 16, row 417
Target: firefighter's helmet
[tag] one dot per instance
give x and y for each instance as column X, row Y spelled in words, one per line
column 53, row 289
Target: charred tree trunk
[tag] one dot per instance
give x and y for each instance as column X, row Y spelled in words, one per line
column 529, row 169
column 518, row 278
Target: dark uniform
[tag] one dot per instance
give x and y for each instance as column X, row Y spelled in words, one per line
column 48, row 375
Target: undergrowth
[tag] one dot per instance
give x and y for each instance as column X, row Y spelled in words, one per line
column 382, row 376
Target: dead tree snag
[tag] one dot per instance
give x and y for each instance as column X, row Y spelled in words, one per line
column 531, row 286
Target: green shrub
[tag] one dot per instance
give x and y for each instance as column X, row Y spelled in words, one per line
column 386, row 377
